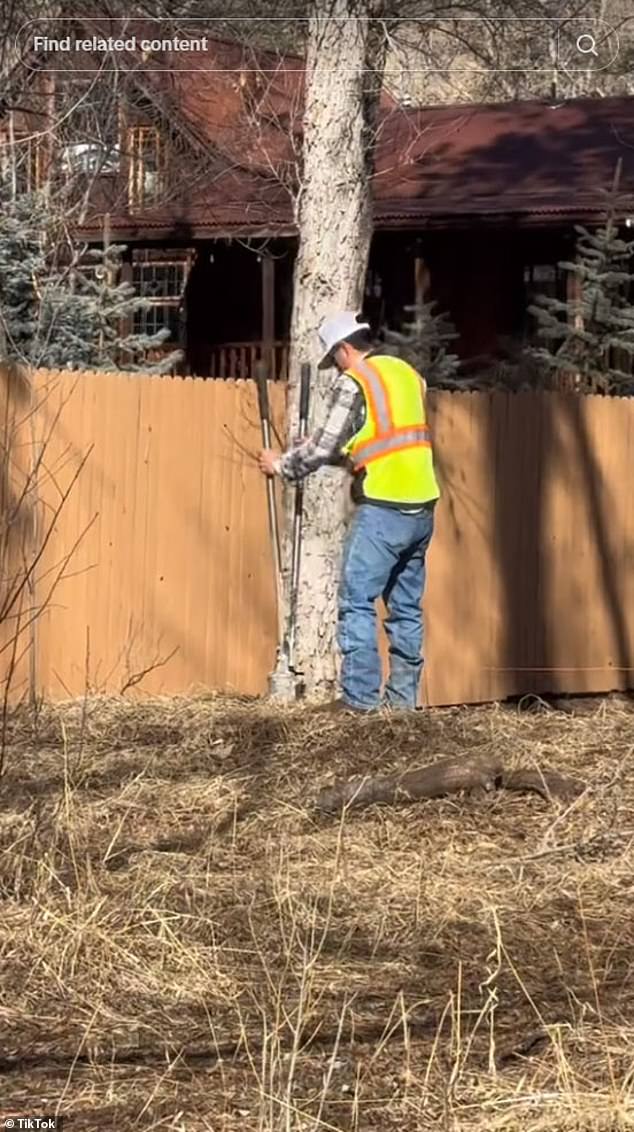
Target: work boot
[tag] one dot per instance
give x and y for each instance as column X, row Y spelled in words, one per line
column 341, row 707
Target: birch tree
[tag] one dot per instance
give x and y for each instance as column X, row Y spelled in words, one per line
column 345, row 57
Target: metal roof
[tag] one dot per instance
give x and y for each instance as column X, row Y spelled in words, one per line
column 533, row 161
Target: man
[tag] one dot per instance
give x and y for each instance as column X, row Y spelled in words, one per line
column 377, row 425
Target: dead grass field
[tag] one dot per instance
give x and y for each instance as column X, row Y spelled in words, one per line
column 186, row 945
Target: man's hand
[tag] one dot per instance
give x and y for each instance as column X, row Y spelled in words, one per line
column 267, row 460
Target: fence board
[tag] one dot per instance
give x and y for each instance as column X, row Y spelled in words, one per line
column 530, row 578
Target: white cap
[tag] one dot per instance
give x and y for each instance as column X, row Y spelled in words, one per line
column 335, row 330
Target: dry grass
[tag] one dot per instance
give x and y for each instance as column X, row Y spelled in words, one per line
column 185, row 945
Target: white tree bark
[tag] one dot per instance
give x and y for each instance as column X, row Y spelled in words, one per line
column 344, row 69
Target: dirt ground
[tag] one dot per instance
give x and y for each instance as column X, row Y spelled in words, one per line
column 186, row 944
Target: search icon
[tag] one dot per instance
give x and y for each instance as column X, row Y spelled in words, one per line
column 587, row 45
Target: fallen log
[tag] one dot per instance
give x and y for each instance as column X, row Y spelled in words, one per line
column 447, row 776
column 548, row 783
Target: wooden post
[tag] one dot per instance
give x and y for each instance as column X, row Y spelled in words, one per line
column 268, row 313
column 106, row 267
column 573, row 294
column 45, row 154
column 126, row 276
column 574, row 290
column 421, row 285
column 13, row 155
column 421, row 280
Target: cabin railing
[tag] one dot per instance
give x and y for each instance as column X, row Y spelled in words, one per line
column 233, row 360
column 238, row 359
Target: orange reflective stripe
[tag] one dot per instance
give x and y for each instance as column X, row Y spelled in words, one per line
column 408, row 436
column 395, row 433
column 371, row 365
column 382, row 437
column 368, row 391
column 377, row 395
column 397, row 448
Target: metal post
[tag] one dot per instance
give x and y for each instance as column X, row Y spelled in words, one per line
column 298, row 512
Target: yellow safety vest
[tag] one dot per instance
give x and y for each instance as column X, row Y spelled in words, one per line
column 391, row 456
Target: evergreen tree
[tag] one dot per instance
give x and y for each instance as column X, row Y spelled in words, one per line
column 423, row 342
column 22, row 262
column 62, row 309
column 85, row 330
column 589, row 337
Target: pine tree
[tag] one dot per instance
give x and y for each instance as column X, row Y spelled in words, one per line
column 589, row 338
column 85, row 331
column 423, row 342
column 65, row 308
column 21, row 265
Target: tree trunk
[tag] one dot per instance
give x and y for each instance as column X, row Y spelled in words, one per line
column 344, row 69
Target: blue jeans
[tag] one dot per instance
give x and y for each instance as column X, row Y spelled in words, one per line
column 384, row 556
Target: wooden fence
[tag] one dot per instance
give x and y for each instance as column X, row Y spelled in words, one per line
column 159, row 559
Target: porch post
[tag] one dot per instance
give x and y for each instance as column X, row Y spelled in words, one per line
column 268, row 313
column 573, row 295
column 421, row 280
column 421, row 286
column 125, row 276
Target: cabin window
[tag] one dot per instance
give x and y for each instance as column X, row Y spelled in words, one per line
column 22, row 164
column 162, row 282
column 146, row 163
column 543, row 279
column 540, row 279
column 90, row 157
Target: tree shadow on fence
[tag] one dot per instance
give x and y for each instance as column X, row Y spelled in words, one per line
column 15, row 456
column 520, row 442
column 17, row 490
column 612, row 567
column 536, row 439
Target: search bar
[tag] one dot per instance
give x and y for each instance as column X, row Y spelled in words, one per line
column 522, row 44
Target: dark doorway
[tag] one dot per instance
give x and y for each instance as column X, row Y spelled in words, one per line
column 227, row 314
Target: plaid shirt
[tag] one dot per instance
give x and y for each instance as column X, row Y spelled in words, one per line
column 345, row 416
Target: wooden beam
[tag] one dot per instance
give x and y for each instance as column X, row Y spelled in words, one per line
column 573, row 295
column 421, row 280
column 125, row 276
column 268, row 312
